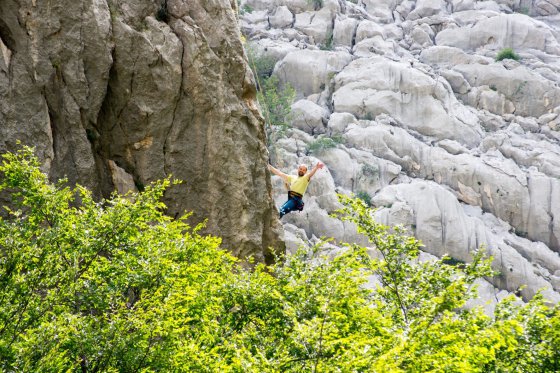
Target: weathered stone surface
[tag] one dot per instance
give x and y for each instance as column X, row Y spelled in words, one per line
column 499, row 185
column 344, row 31
column 372, row 86
column 512, row 30
column 310, row 71
column 142, row 98
column 530, row 93
column 51, row 94
column 123, row 181
column 426, row 8
column 308, row 117
column 444, row 56
column 281, row 18
column 317, row 25
column 547, row 7
column 368, row 29
column 483, row 134
column 445, row 227
column 382, row 9
column 108, row 93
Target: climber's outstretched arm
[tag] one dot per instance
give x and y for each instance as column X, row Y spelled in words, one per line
column 276, row 171
column 318, row 166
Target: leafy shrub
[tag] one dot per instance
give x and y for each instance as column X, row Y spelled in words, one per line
column 276, row 102
column 317, row 4
column 261, row 64
column 328, row 45
column 324, row 143
column 247, row 8
column 370, row 170
column 118, row 286
column 507, row 53
column 364, row 196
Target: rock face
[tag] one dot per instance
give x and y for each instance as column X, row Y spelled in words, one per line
column 119, row 94
column 441, row 137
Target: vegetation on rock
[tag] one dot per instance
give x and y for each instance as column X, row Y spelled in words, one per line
column 117, row 285
column 323, row 143
column 507, row 53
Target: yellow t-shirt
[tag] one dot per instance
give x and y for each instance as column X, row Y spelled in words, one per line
column 298, row 184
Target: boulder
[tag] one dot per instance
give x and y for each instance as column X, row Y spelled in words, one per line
column 317, row 25
column 530, row 93
column 443, row 56
column 309, row 71
column 308, row 117
column 456, row 81
column 426, row 8
column 372, row 86
column 344, row 31
column 444, row 227
column 547, row 7
column 338, row 122
column 368, row 29
column 491, row 181
column 359, row 172
column 515, row 31
column 381, row 9
column 281, row 18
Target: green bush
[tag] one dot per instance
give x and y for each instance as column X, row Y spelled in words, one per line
column 276, row 102
column 116, row 285
column 323, row 143
column 507, row 53
column 261, row 64
column 328, row 44
column 364, row 196
column 317, row 4
column 370, row 170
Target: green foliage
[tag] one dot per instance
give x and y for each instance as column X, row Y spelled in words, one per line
column 323, row 143
column 423, row 299
column 328, row 45
column 507, row 53
column 261, row 64
column 317, row 4
column 276, row 103
column 247, row 9
column 364, row 196
column 118, row 286
column 370, row 170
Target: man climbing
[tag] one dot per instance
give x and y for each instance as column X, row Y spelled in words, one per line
column 297, row 185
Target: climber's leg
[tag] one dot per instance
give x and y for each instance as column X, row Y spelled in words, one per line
column 287, row 207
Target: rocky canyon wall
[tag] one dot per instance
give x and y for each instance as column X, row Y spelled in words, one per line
column 431, row 128
column 116, row 94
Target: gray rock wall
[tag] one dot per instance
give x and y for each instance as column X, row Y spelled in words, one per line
column 110, row 91
column 435, row 132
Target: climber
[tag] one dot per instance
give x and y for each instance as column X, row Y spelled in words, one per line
column 296, row 186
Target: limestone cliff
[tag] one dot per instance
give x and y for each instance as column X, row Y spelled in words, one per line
column 116, row 94
column 433, row 128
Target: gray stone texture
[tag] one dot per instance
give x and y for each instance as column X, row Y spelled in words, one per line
column 111, row 96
